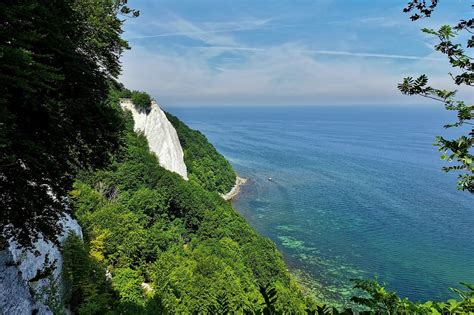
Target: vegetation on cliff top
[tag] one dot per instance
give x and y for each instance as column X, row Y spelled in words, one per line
column 141, row 100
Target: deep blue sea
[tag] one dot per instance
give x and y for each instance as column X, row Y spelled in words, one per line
column 357, row 192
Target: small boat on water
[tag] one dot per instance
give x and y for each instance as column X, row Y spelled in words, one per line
column 269, row 179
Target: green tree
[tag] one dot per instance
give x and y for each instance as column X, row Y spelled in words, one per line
column 128, row 284
column 458, row 150
column 56, row 58
column 86, row 290
column 141, row 100
column 153, row 203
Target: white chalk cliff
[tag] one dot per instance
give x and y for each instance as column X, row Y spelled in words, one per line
column 23, row 272
column 161, row 135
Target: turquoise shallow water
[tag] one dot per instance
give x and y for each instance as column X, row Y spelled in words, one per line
column 356, row 192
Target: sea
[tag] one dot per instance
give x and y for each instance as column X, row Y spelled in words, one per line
column 356, row 192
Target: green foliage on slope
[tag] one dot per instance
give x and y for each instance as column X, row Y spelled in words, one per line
column 205, row 165
column 56, row 58
column 87, row 291
column 141, row 100
column 170, row 243
column 377, row 300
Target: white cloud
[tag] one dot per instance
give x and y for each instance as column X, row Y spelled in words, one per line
column 331, row 52
column 206, row 32
column 371, row 55
column 286, row 74
column 377, row 21
column 182, row 27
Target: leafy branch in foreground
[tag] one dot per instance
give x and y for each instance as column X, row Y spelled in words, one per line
column 424, row 9
column 460, row 149
column 378, row 300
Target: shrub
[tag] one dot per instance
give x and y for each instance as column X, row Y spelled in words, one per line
column 141, row 100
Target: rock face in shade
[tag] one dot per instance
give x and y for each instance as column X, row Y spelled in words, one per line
column 25, row 271
column 161, row 135
column 15, row 297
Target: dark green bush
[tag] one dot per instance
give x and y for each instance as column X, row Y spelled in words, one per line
column 141, row 100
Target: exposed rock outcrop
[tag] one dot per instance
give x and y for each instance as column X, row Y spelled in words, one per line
column 15, row 297
column 24, row 274
column 161, row 135
column 239, row 181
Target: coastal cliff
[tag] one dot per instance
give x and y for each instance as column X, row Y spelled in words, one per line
column 27, row 274
column 154, row 219
column 160, row 134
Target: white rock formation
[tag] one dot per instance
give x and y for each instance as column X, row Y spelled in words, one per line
column 161, row 135
column 21, row 270
column 234, row 191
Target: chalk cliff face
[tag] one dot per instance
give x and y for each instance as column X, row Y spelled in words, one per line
column 161, row 135
column 23, row 272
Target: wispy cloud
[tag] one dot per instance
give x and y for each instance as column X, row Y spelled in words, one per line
column 185, row 28
column 200, row 32
column 178, row 26
column 370, row 55
column 330, row 52
column 378, row 21
column 235, row 48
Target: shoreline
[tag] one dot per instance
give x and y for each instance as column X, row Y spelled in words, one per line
column 309, row 286
column 235, row 190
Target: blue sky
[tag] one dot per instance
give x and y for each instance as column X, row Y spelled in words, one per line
column 298, row 52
